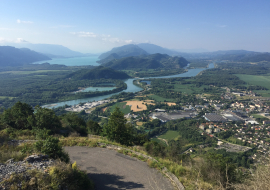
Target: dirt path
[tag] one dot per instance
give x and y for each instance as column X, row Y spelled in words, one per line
column 111, row 170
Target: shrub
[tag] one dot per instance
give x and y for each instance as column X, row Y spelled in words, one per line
column 52, row 148
column 61, row 176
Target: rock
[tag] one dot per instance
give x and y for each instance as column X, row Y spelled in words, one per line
column 10, row 161
column 36, row 158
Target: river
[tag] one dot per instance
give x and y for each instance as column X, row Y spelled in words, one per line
column 130, row 88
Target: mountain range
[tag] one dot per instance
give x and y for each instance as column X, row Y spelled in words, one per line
column 11, row 56
column 146, row 49
column 50, row 50
column 152, row 61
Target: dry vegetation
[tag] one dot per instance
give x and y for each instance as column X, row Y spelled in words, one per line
column 138, row 105
column 169, row 103
column 259, row 181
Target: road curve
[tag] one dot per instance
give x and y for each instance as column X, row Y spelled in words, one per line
column 111, row 170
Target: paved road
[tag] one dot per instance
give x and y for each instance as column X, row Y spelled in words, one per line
column 111, row 170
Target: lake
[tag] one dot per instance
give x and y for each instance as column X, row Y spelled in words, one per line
column 73, row 61
column 130, row 88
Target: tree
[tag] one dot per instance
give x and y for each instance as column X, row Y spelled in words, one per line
column 93, row 127
column 117, row 130
column 20, row 116
column 46, row 119
column 75, row 122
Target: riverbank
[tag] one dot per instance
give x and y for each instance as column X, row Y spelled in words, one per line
column 131, row 87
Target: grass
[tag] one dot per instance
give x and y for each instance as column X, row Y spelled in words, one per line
column 30, row 72
column 140, row 123
column 258, row 116
column 170, row 135
column 260, row 80
column 123, row 107
column 160, row 99
column 3, row 97
column 159, row 141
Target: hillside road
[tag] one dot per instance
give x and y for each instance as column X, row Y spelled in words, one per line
column 111, row 170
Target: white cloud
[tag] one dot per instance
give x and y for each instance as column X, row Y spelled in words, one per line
column 24, row 22
column 102, row 37
column 85, row 34
column 128, row 41
column 20, row 40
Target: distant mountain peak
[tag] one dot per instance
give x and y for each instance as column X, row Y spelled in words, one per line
column 125, row 51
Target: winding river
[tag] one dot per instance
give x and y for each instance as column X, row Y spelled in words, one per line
column 130, row 88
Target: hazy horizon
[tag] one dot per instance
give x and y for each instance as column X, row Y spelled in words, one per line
column 98, row 26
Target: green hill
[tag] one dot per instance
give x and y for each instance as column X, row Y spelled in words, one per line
column 97, row 73
column 125, row 51
column 112, row 56
column 154, row 61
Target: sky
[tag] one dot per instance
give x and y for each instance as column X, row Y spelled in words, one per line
column 95, row 26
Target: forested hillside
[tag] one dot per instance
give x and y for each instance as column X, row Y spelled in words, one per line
column 153, row 61
column 11, row 56
column 125, row 51
column 97, row 73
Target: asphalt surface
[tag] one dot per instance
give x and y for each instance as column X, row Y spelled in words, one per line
column 111, row 170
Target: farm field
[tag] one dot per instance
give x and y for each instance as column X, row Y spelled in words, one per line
column 139, row 123
column 169, row 103
column 123, row 107
column 159, row 98
column 138, row 105
column 169, row 135
column 258, row 116
column 257, row 80
column 188, row 88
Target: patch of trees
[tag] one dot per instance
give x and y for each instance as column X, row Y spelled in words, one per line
column 154, row 61
column 97, row 73
column 44, row 90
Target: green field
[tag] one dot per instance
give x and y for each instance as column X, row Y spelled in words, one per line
column 123, row 107
column 188, row 88
column 30, row 72
column 257, row 80
column 159, row 141
column 3, row 97
column 160, row 99
column 258, row 116
column 170, row 135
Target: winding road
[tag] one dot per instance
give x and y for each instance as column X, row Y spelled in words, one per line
column 111, row 170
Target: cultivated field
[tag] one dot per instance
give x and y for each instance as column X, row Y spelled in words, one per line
column 123, row 107
column 170, row 103
column 257, row 80
column 159, row 98
column 138, row 105
column 169, row 135
column 104, row 109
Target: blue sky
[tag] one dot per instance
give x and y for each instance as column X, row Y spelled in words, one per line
column 92, row 26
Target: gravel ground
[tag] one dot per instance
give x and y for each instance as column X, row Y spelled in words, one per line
column 31, row 162
column 111, row 170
